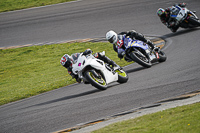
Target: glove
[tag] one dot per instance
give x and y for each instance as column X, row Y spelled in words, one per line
column 121, row 55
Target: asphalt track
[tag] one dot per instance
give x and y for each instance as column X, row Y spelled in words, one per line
column 76, row 104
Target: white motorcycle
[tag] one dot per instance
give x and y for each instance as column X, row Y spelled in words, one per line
column 185, row 17
column 96, row 72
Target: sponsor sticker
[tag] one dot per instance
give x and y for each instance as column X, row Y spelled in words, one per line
column 157, row 55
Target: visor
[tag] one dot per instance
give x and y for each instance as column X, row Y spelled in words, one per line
column 111, row 39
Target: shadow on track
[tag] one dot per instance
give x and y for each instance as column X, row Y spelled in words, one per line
column 72, row 96
column 135, row 69
column 140, row 68
column 179, row 33
column 66, row 98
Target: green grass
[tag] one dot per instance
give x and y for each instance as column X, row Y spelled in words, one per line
column 10, row 5
column 184, row 119
column 29, row 71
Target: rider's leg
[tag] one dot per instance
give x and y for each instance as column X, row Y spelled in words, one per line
column 152, row 45
column 105, row 59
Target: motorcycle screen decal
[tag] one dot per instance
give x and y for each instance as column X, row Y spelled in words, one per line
column 120, row 43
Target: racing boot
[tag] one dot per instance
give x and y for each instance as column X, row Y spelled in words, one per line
column 85, row 81
column 104, row 58
column 153, row 46
column 109, row 61
column 127, row 59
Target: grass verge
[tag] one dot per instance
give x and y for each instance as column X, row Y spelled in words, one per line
column 184, row 119
column 29, row 71
column 10, row 5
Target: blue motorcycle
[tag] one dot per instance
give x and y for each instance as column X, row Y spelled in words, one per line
column 141, row 53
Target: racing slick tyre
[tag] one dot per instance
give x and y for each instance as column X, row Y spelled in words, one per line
column 194, row 21
column 95, row 81
column 162, row 56
column 122, row 76
column 140, row 58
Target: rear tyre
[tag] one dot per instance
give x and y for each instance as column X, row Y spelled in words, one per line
column 141, row 59
column 162, row 56
column 99, row 83
column 194, row 21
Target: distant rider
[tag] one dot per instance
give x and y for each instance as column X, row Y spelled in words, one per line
column 67, row 61
column 118, row 41
column 164, row 15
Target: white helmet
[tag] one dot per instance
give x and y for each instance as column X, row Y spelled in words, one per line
column 111, row 36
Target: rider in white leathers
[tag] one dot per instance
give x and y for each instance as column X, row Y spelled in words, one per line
column 67, row 61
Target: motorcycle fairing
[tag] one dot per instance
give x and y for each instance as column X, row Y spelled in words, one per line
column 135, row 43
column 96, row 64
column 179, row 13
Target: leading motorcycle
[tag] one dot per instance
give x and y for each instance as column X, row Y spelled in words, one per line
column 96, row 72
column 185, row 17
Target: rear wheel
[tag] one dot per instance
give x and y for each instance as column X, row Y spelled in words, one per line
column 162, row 56
column 99, row 83
column 192, row 20
column 140, row 58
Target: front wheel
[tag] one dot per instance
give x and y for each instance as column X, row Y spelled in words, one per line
column 99, row 83
column 122, row 76
column 140, row 58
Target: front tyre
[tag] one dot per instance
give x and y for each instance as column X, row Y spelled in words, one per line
column 99, row 83
column 122, row 76
column 140, row 58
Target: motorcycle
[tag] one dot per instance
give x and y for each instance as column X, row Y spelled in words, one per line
column 96, row 72
column 185, row 17
column 141, row 53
